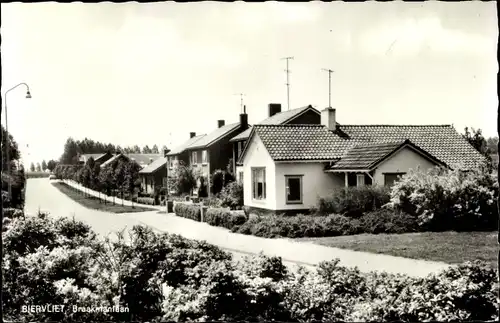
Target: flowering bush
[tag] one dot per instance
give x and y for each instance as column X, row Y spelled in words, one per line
column 354, row 201
column 449, row 200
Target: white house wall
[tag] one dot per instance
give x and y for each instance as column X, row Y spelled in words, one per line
column 315, row 183
column 402, row 161
column 257, row 156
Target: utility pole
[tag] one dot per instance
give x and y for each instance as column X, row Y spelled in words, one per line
column 241, row 100
column 287, row 80
column 329, row 86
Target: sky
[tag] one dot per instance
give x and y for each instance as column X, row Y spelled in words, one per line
column 137, row 73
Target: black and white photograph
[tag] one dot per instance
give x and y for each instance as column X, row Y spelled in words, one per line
column 239, row 161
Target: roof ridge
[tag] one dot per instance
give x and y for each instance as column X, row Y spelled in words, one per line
column 290, row 125
column 396, row 125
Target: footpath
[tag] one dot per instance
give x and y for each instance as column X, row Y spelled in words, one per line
column 291, row 251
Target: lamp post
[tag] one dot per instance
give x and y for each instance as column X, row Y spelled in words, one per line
column 7, row 139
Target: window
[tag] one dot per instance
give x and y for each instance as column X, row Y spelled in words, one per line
column 204, row 157
column 293, row 189
column 171, row 162
column 360, row 179
column 240, row 177
column 194, row 159
column 391, row 178
column 259, row 183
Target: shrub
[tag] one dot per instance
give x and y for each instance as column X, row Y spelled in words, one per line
column 388, row 221
column 232, row 196
column 449, row 200
column 354, row 201
column 189, row 211
column 212, row 202
column 146, row 200
column 224, row 218
column 220, row 179
column 460, row 293
column 301, row 226
column 12, row 213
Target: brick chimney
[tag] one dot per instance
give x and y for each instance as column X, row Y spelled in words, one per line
column 328, row 118
column 192, row 134
column 244, row 118
column 274, row 108
column 165, row 152
column 220, row 123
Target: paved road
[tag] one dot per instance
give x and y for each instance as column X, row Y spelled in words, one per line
column 42, row 195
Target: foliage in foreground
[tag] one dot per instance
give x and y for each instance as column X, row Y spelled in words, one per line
column 166, row 277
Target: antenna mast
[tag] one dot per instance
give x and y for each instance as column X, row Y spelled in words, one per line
column 241, row 100
column 329, row 86
column 288, row 80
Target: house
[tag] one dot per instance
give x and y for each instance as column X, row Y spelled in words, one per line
column 154, row 174
column 142, row 159
column 287, row 167
column 180, row 153
column 209, row 152
column 303, row 115
column 98, row 158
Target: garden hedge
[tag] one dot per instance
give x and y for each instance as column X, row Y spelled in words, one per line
column 222, row 217
column 188, row 211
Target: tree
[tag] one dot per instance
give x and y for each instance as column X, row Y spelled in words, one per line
column 146, row 150
column 492, row 143
column 44, row 165
column 51, row 165
column 136, row 149
column 107, row 180
column 476, row 139
column 14, row 153
column 38, row 167
column 32, row 167
column 95, row 182
column 155, row 150
column 183, row 179
column 120, row 173
column 70, row 154
column 131, row 181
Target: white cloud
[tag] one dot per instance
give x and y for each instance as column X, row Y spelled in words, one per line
column 410, row 36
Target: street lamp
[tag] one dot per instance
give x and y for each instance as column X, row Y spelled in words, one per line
column 7, row 148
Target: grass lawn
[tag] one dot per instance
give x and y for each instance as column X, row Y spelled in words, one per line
column 92, row 202
column 448, row 247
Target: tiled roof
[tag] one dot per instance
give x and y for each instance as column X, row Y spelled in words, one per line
column 315, row 142
column 85, row 157
column 144, row 159
column 278, row 118
column 141, row 159
column 301, row 142
column 367, row 156
column 185, row 145
column 154, row 166
column 214, row 136
column 363, row 156
column 441, row 141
